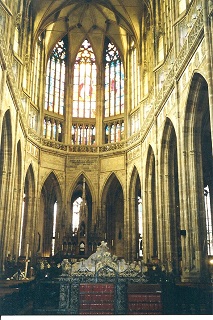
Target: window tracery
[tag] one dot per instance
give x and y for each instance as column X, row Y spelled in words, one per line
column 84, row 87
column 84, row 96
column 55, row 79
column 114, row 131
column 114, row 82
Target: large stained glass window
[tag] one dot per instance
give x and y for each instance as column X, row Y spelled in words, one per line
column 84, row 86
column 114, row 82
column 55, row 78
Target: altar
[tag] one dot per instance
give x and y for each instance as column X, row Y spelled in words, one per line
column 101, row 284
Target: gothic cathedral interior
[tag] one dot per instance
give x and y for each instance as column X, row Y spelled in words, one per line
column 106, row 125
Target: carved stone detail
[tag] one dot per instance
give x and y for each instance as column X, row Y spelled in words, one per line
column 64, row 296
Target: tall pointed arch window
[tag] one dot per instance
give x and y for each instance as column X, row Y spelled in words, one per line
column 84, row 87
column 114, row 81
column 55, row 78
column 84, row 96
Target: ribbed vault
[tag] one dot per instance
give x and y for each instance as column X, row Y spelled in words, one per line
column 119, row 20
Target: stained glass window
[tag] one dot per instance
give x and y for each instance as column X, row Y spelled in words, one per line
column 114, row 82
column 52, row 129
column 114, row 131
column 84, row 86
column 55, row 79
column 83, row 134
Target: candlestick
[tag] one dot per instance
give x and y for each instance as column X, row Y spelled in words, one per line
column 26, row 262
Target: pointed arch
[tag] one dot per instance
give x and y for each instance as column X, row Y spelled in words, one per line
column 88, row 183
column 108, row 180
column 83, row 131
column 84, row 82
column 28, row 216
column 150, row 217
column 112, row 218
column 198, row 164
column 169, row 221
column 80, row 216
column 5, row 180
column 114, row 80
column 50, row 222
column 53, row 126
column 114, row 92
column 6, row 145
column 77, row 191
column 135, row 211
column 55, row 78
column 16, row 203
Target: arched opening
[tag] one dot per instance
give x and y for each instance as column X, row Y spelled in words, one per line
column 76, row 210
column 171, row 252
column 113, row 213
column 207, row 166
column 136, row 228
column 198, row 175
column 150, row 234
column 80, row 232
column 27, row 215
column 5, row 173
column 16, row 205
column 49, row 226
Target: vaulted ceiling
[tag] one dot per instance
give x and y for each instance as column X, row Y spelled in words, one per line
column 120, row 20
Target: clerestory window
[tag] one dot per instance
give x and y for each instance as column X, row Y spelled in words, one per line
column 55, row 79
column 84, row 96
column 114, row 94
column 114, row 81
column 84, row 87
